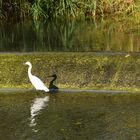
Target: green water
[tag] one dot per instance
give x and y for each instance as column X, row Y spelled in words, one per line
column 69, row 116
column 69, row 36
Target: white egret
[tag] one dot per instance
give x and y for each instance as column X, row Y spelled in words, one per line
column 36, row 82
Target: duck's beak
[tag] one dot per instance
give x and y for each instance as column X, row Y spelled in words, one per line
column 49, row 76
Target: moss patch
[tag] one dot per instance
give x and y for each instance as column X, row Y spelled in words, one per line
column 74, row 70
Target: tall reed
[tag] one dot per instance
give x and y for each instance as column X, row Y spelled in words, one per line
column 49, row 9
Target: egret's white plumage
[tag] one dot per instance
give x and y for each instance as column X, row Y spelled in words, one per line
column 36, row 82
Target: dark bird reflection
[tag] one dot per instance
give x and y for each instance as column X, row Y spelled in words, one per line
column 53, row 88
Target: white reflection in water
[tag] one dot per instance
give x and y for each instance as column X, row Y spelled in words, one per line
column 38, row 104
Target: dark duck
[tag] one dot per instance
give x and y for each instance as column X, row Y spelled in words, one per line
column 53, row 88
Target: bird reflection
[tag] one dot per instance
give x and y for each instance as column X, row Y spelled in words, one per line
column 38, row 104
column 53, row 88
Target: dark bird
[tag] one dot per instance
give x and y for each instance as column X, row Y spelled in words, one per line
column 53, row 88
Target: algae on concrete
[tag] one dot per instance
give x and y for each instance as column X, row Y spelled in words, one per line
column 74, row 70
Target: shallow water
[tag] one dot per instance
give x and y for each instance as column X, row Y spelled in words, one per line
column 36, row 116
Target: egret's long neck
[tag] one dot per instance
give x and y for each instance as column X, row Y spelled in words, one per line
column 29, row 70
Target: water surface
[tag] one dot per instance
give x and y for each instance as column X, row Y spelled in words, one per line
column 85, row 116
column 75, row 36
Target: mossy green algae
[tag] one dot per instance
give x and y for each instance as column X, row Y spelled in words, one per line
column 74, row 70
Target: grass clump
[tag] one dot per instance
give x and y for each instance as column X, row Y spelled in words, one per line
column 49, row 9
